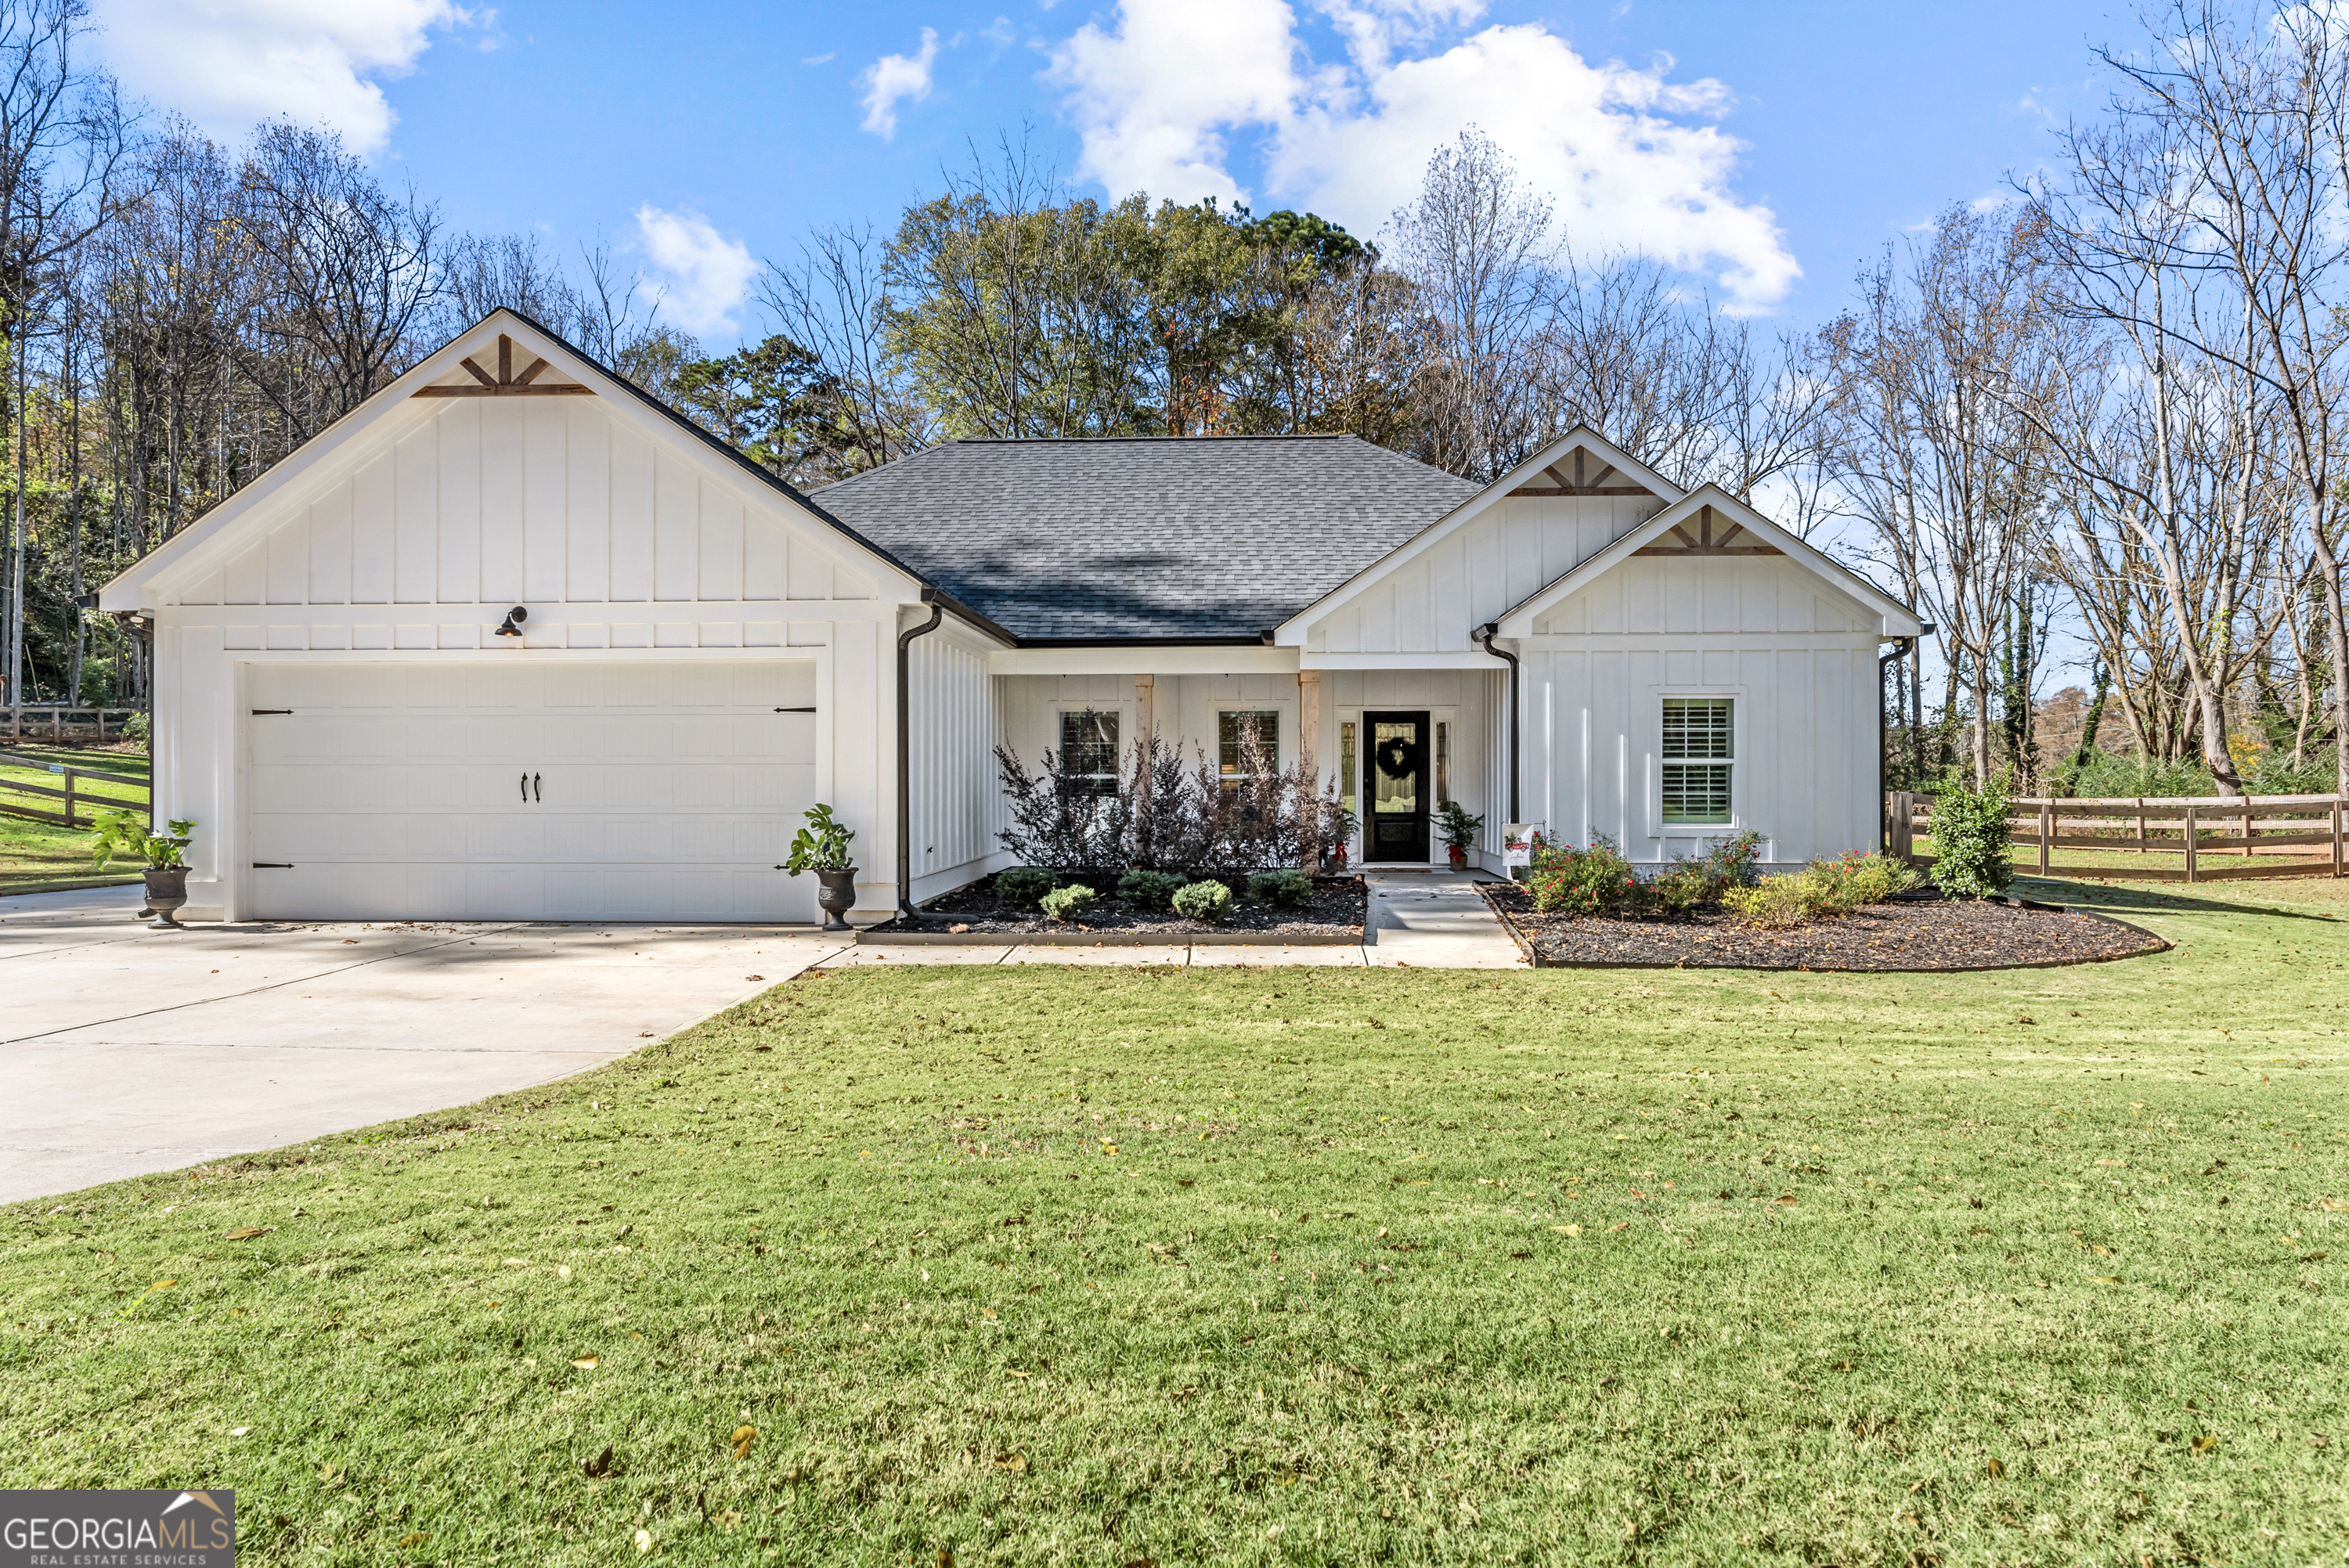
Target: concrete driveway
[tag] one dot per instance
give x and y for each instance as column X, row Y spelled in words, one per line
column 125, row 1050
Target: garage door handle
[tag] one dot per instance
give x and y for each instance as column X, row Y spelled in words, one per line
column 538, row 786
column 272, row 865
column 525, row 788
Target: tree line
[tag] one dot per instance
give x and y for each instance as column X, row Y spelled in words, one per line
column 2107, row 408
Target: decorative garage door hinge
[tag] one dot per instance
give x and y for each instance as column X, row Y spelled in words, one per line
column 258, row 711
column 272, row 865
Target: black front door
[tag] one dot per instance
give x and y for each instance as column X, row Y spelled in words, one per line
column 1397, row 787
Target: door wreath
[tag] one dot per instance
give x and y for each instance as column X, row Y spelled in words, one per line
column 1398, row 758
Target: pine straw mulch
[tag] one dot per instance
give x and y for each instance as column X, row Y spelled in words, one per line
column 1336, row 910
column 1911, row 934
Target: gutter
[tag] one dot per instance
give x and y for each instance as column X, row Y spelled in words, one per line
column 1482, row 637
column 1901, row 648
column 936, row 601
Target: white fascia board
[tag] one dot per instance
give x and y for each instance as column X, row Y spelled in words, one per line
column 1296, row 629
column 390, row 410
column 1456, row 659
column 1144, row 660
column 1897, row 620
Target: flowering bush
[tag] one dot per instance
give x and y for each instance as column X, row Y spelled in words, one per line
column 1567, row 880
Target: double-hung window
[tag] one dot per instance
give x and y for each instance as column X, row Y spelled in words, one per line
column 1699, row 757
column 1089, row 750
column 1232, row 728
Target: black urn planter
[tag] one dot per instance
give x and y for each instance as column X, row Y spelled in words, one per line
column 836, row 894
column 167, row 893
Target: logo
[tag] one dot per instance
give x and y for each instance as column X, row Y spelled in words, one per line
column 117, row 1530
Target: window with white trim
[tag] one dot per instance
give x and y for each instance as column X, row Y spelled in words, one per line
column 1700, row 756
column 1088, row 750
column 1230, row 727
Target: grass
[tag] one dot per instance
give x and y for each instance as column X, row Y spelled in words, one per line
column 35, row 855
column 1047, row 1266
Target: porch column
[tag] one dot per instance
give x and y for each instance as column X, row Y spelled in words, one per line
column 1308, row 749
column 1145, row 703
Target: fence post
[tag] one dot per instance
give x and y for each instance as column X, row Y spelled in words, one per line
column 2193, row 832
column 69, row 799
column 2047, row 832
column 2336, row 835
column 1904, row 825
column 2247, row 830
column 2140, row 826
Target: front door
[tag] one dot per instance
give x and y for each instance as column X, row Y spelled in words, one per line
column 1397, row 787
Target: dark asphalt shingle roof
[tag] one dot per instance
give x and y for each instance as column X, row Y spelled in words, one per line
column 1110, row 538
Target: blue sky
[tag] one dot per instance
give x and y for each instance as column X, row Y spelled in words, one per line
column 1762, row 149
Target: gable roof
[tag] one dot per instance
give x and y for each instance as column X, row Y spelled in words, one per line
column 1898, row 620
column 1531, row 477
column 445, row 366
column 1157, row 539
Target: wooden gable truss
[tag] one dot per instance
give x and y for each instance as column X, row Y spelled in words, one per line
column 1696, row 537
column 505, row 383
column 1584, row 481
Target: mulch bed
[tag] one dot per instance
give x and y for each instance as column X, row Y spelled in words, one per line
column 1336, row 908
column 1911, row 934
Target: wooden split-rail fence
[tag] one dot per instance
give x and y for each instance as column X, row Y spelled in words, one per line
column 57, row 722
column 2139, row 837
column 79, row 793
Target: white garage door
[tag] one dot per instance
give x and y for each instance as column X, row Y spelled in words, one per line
column 522, row 790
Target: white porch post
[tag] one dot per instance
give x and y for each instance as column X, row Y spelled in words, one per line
column 1308, row 752
column 1145, row 699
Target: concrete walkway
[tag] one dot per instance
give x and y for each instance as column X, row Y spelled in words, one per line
column 1435, row 920
column 125, row 1050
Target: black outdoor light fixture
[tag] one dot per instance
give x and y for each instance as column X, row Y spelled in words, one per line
column 514, row 618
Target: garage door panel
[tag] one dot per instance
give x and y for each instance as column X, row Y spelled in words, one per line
column 657, row 793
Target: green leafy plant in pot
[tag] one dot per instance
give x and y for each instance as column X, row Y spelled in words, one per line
column 822, row 847
column 1460, row 827
column 122, row 835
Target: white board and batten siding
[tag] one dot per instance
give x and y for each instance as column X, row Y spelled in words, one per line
column 956, row 804
column 1797, row 658
column 404, row 543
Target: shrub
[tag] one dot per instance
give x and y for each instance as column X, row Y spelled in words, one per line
column 1567, row 881
column 1971, row 840
column 1207, row 901
column 1291, row 887
column 1148, row 890
column 1066, row 903
column 1459, row 826
column 1824, row 890
column 1021, row 886
column 1777, row 902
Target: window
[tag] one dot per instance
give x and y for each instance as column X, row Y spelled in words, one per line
column 1349, row 775
column 1700, row 749
column 1089, row 750
column 1443, row 765
column 1230, row 730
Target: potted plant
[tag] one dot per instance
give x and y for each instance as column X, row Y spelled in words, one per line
column 123, row 834
column 1460, row 827
column 1338, row 822
column 822, row 847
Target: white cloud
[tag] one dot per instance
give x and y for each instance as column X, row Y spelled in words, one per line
column 229, row 63
column 824, row 60
column 703, row 275
column 1632, row 159
column 895, row 77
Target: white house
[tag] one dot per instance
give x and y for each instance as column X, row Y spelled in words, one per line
column 511, row 640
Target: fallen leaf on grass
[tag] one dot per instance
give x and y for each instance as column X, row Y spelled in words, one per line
column 1996, row 1469
column 246, row 1233
column 1568, row 1229
column 586, row 1363
column 742, row 1438
column 1012, row 1461
column 644, row 1542
column 2333, row 1205
column 1789, row 1199
column 601, row 1466
column 2206, row 1444
column 414, row 1538
column 238, row 1431
column 1619, row 1226
column 1015, row 1372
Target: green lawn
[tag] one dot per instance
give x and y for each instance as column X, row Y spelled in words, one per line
column 42, row 854
column 1047, row 1266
